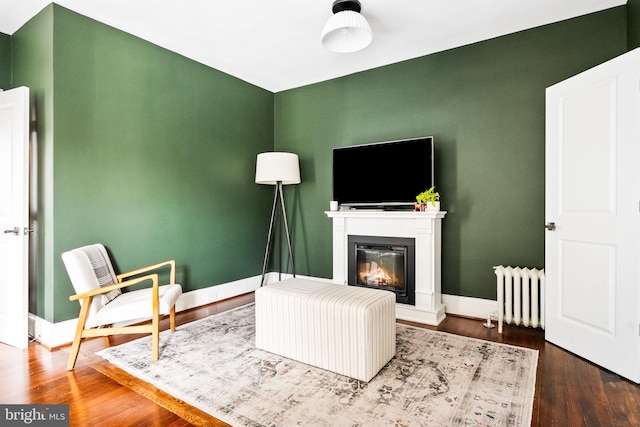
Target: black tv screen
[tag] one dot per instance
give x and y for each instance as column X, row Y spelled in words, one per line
column 383, row 174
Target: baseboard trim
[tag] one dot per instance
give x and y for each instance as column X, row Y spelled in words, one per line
column 53, row 335
column 469, row 307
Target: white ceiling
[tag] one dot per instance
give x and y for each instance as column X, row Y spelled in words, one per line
column 275, row 44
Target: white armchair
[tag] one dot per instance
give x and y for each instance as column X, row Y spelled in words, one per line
column 98, row 289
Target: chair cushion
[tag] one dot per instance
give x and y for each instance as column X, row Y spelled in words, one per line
column 136, row 304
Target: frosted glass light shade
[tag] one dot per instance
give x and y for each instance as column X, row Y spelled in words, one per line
column 277, row 166
column 346, row 32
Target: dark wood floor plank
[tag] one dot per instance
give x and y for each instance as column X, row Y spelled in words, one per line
column 622, row 399
column 570, row 391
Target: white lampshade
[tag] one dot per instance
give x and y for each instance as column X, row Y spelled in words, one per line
column 346, row 31
column 277, row 166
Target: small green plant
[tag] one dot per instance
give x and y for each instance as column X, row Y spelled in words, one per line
column 428, row 196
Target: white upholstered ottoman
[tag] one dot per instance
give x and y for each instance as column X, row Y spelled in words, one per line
column 344, row 329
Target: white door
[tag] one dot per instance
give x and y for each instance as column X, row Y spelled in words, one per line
column 14, row 216
column 593, row 200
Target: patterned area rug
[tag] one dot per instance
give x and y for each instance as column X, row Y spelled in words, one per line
column 435, row 379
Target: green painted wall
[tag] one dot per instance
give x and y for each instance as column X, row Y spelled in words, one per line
column 484, row 104
column 633, row 23
column 5, row 61
column 152, row 154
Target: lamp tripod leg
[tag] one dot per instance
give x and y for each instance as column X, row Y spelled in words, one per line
column 286, row 229
column 266, row 251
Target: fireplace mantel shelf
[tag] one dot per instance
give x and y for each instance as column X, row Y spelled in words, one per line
column 375, row 213
column 424, row 227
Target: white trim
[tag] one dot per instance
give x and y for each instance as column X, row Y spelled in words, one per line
column 57, row 334
column 453, row 304
column 224, row 291
column 469, row 307
column 52, row 334
column 204, row 296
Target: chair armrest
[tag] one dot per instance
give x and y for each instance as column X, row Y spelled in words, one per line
column 105, row 289
column 172, row 273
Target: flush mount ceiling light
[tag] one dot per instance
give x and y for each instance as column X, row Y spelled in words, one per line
column 346, row 31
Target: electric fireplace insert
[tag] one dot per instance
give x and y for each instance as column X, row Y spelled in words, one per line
column 383, row 263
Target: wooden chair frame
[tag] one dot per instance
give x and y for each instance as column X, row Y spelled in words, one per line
column 100, row 331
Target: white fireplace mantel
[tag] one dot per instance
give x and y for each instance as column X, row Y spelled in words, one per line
column 424, row 227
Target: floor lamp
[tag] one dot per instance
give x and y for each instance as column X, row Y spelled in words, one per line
column 277, row 169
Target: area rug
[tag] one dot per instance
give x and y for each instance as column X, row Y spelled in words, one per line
column 435, row 379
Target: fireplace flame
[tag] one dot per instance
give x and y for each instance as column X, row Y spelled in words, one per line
column 376, row 274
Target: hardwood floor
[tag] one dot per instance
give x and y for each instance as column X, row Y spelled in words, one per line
column 569, row 390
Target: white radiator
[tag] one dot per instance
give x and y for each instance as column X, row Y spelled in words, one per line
column 520, row 296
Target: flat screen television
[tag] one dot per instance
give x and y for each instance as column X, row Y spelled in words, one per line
column 385, row 174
